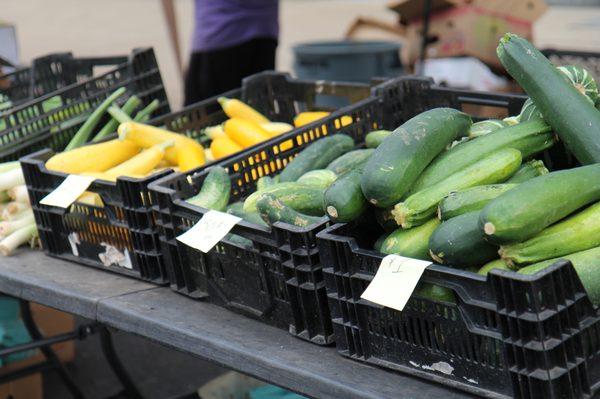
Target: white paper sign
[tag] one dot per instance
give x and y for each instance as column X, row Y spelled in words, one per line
column 209, row 230
column 68, row 191
column 395, row 281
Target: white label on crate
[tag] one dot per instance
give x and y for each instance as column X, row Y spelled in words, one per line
column 68, row 191
column 73, row 241
column 112, row 256
column 209, row 230
column 127, row 261
column 395, row 281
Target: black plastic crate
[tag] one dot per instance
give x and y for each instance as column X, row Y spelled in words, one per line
column 32, row 126
column 50, row 73
column 126, row 222
column 505, row 335
column 588, row 60
column 279, row 279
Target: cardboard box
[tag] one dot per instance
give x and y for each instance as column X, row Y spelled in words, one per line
column 50, row 322
column 465, row 27
column 30, row 387
column 53, row 322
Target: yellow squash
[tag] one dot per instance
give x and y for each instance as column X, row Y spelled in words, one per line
column 245, row 133
column 93, row 158
column 190, row 157
column 276, row 128
column 304, row 118
column 185, row 153
column 235, row 108
column 141, row 164
column 224, row 146
column 214, row 131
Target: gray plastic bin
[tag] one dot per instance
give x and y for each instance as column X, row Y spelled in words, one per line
column 350, row 61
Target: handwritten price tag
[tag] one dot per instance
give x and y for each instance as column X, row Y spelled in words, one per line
column 211, row 229
column 69, row 190
column 395, row 281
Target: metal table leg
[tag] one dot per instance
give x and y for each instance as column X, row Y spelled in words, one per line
column 129, row 388
column 47, row 351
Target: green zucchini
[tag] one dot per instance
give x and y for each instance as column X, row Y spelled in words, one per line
column 318, row 178
column 300, row 197
column 436, row 293
column 527, row 209
column 379, row 242
column 529, row 138
column 570, row 114
column 273, row 210
column 573, row 234
column 586, row 264
column 215, row 190
column 374, row 138
column 344, row 200
column 412, row 243
column 316, row 156
column 471, row 199
column 239, row 240
column 237, row 209
column 350, row 160
column 529, row 112
column 403, row 155
column 582, row 80
column 528, row 171
column 422, row 205
column 264, row 182
column 485, row 127
column 459, row 242
column 495, row 264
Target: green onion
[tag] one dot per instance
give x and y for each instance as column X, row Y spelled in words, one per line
column 118, row 114
column 17, row 238
column 12, row 178
column 6, row 166
column 144, row 114
column 11, row 226
column 111, row 126
column 84, row 132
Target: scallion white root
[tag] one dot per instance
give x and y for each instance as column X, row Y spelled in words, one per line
column 11, row 179
column 18, row 238
column 9, row 227
column 6, row 215
column 6, row 166
column 19, row 194
column 17, row 207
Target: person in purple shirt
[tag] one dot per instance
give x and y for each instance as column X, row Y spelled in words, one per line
column 232, row 39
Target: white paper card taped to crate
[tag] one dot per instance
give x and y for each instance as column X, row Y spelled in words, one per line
column 209, row 230
column 395, row 281
column 68, row 191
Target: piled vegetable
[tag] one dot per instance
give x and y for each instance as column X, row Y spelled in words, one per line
column 247, row 127
column 17, row 225
column 466, row 195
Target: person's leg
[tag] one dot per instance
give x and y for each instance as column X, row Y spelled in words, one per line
column 218, row 71
column 192, row 79
column 264, row 50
